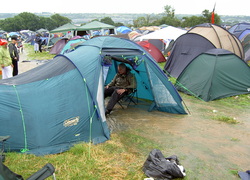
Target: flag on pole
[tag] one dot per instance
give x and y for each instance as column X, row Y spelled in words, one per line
column 212, row 15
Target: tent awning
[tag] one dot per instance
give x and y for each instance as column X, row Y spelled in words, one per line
column 64, row 28
column 95, row 25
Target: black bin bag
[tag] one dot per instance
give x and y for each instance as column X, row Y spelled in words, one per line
column 161, row 168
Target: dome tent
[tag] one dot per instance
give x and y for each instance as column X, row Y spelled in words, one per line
column 217, row 37
column 50, row 108
column 215, row 74
column 220, row 38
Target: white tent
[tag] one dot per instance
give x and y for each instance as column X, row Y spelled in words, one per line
column 167, row 33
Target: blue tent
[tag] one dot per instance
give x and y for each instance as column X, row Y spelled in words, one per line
column 123, row 29
column 244, row 34
column 237, row 29
column 71, row 44
column 50, row 108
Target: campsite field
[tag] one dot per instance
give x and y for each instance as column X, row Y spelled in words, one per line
column 212, row 142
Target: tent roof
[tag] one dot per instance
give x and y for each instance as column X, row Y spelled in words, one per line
column 237, row 28
column 153, row 50
column 42, row 30
column 220, row 37
column 218, row 52
column 65, row 27
column 95, row 25
column 123, row 29
column 169, row 32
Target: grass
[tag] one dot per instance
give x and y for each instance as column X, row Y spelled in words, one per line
column 31, row 55
column 120, row 158
column 239, row 101
column 225, row 119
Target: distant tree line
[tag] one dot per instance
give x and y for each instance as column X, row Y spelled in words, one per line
column 169, row 18
column 29, row 21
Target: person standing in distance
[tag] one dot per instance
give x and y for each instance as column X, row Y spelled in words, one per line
column 14, row 54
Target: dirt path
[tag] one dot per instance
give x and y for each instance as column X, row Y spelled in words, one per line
column 25, row 65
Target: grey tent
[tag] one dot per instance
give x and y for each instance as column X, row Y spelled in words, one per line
column 215, row 74
column 185, row 49
column 58, row 46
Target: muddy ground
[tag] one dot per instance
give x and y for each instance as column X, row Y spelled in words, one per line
column 208, row 149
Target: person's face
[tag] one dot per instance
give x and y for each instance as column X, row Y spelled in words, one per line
column 121, row 70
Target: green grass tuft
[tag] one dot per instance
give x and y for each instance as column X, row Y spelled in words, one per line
column 225, row 119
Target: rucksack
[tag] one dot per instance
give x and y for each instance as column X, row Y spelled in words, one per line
column 161, row 168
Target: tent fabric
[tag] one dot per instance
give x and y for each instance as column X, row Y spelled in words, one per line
column 71, row 44
column 185, row 49
column 158, row 43
column 50, row 108
column 64, row 28
column 220, row 37
column 95, row 25
column 215, row 74
column 154, row 51
column 246, row 44
column 238, row 28
column 166, row 33
column 243, row 34
column 123, row 29
column 58, row 46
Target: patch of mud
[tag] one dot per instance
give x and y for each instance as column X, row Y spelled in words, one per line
column 204, row 145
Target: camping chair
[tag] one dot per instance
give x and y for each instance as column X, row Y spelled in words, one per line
column 130, row 98
column 2, row 140
column 43, row 173
column 5, row 173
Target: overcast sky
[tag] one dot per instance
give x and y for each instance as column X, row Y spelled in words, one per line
column 223, row 7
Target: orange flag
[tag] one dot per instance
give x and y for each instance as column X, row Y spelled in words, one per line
column 212, row 15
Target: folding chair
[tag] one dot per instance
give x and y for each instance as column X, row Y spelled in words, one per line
column 45, row 172
column 129, row 98
column 5, row 173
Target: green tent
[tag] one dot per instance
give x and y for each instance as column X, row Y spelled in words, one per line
column 215, row 74
column 64, row 28
column 95, row 25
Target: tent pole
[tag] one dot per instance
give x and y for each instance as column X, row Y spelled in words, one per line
column 186, row 107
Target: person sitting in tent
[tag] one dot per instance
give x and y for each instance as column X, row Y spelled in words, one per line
column 122, row 84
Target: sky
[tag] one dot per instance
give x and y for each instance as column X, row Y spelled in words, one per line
column 223, row 7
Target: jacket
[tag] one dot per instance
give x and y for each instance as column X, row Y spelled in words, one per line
column 124, row 81
column 5, row 59
column 13, row 52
